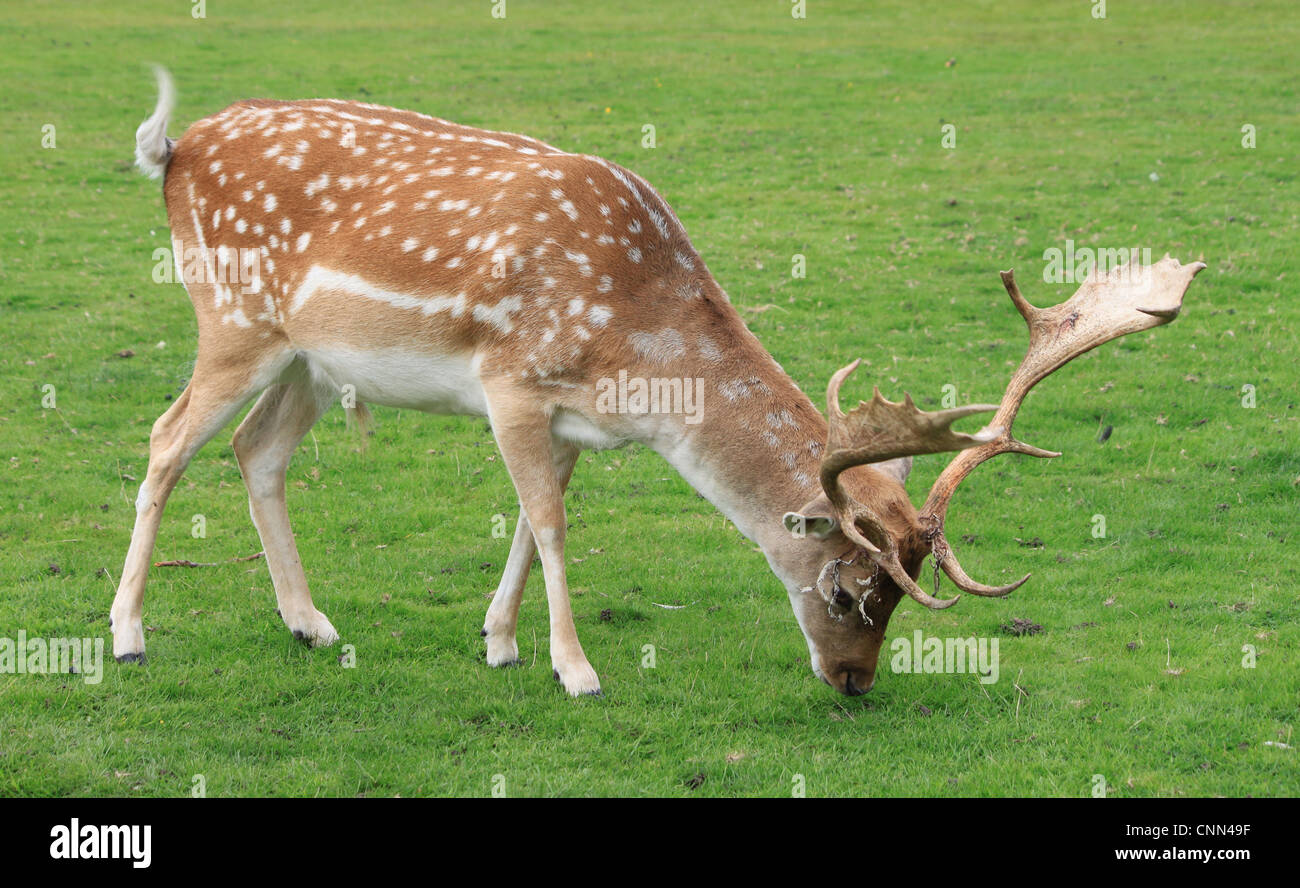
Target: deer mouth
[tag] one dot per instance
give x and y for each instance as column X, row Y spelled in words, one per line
column 852, row 690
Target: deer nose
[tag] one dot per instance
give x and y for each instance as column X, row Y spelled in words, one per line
column 852, row 688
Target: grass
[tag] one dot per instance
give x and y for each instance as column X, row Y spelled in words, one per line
column 775, row 137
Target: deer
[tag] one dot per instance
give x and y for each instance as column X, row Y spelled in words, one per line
column 421, row 264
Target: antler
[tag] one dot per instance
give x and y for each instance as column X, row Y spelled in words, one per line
column 1128, row 299
column 881, row 430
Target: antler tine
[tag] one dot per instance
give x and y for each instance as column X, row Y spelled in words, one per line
column 895, row 570
column 880, row 430
column 1128, row 299
column 943, row 555
column 833, row 410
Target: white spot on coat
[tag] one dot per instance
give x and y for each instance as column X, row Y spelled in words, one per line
column 499, row 315
column 658, row 348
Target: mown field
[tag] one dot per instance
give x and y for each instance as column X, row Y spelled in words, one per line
column 775, row 136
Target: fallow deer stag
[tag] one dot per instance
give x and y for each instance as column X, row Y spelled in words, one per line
column 440, row 267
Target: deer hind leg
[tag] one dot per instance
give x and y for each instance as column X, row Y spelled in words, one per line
column 503, row 614
column 523, row 433
column 264, row 444
column 214, row 395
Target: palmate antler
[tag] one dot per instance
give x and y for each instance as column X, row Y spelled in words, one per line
column 879, row 430
column 1128, row 299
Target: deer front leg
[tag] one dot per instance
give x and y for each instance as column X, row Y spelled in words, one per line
column 523, row 433
column 503, row 615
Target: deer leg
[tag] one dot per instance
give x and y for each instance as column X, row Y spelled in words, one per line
column 503, row 614
column 264, row 444
column 523, row 434
column 211, row 400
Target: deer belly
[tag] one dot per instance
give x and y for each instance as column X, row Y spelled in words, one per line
column 575, row 428
column 432, row 382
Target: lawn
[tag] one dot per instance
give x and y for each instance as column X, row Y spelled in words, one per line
column 775, row 136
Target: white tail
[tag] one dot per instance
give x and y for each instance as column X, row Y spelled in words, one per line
column 337, row 251
column 152, row 147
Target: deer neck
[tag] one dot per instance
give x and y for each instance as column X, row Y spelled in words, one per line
column 755, row 450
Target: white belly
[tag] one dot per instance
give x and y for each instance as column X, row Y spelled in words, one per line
column 402, row 378
column 434, row 383
column 578, row 429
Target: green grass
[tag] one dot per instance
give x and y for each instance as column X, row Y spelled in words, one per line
column 775, row 137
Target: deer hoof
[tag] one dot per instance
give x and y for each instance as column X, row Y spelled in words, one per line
column 502, row 651
column 128, row 640
column 579, row 680
column 316, row 631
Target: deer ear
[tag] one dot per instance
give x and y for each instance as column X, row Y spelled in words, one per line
column 898, row 468
column 819, row 527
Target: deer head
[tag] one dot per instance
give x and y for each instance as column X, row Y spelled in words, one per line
column 863, row 531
